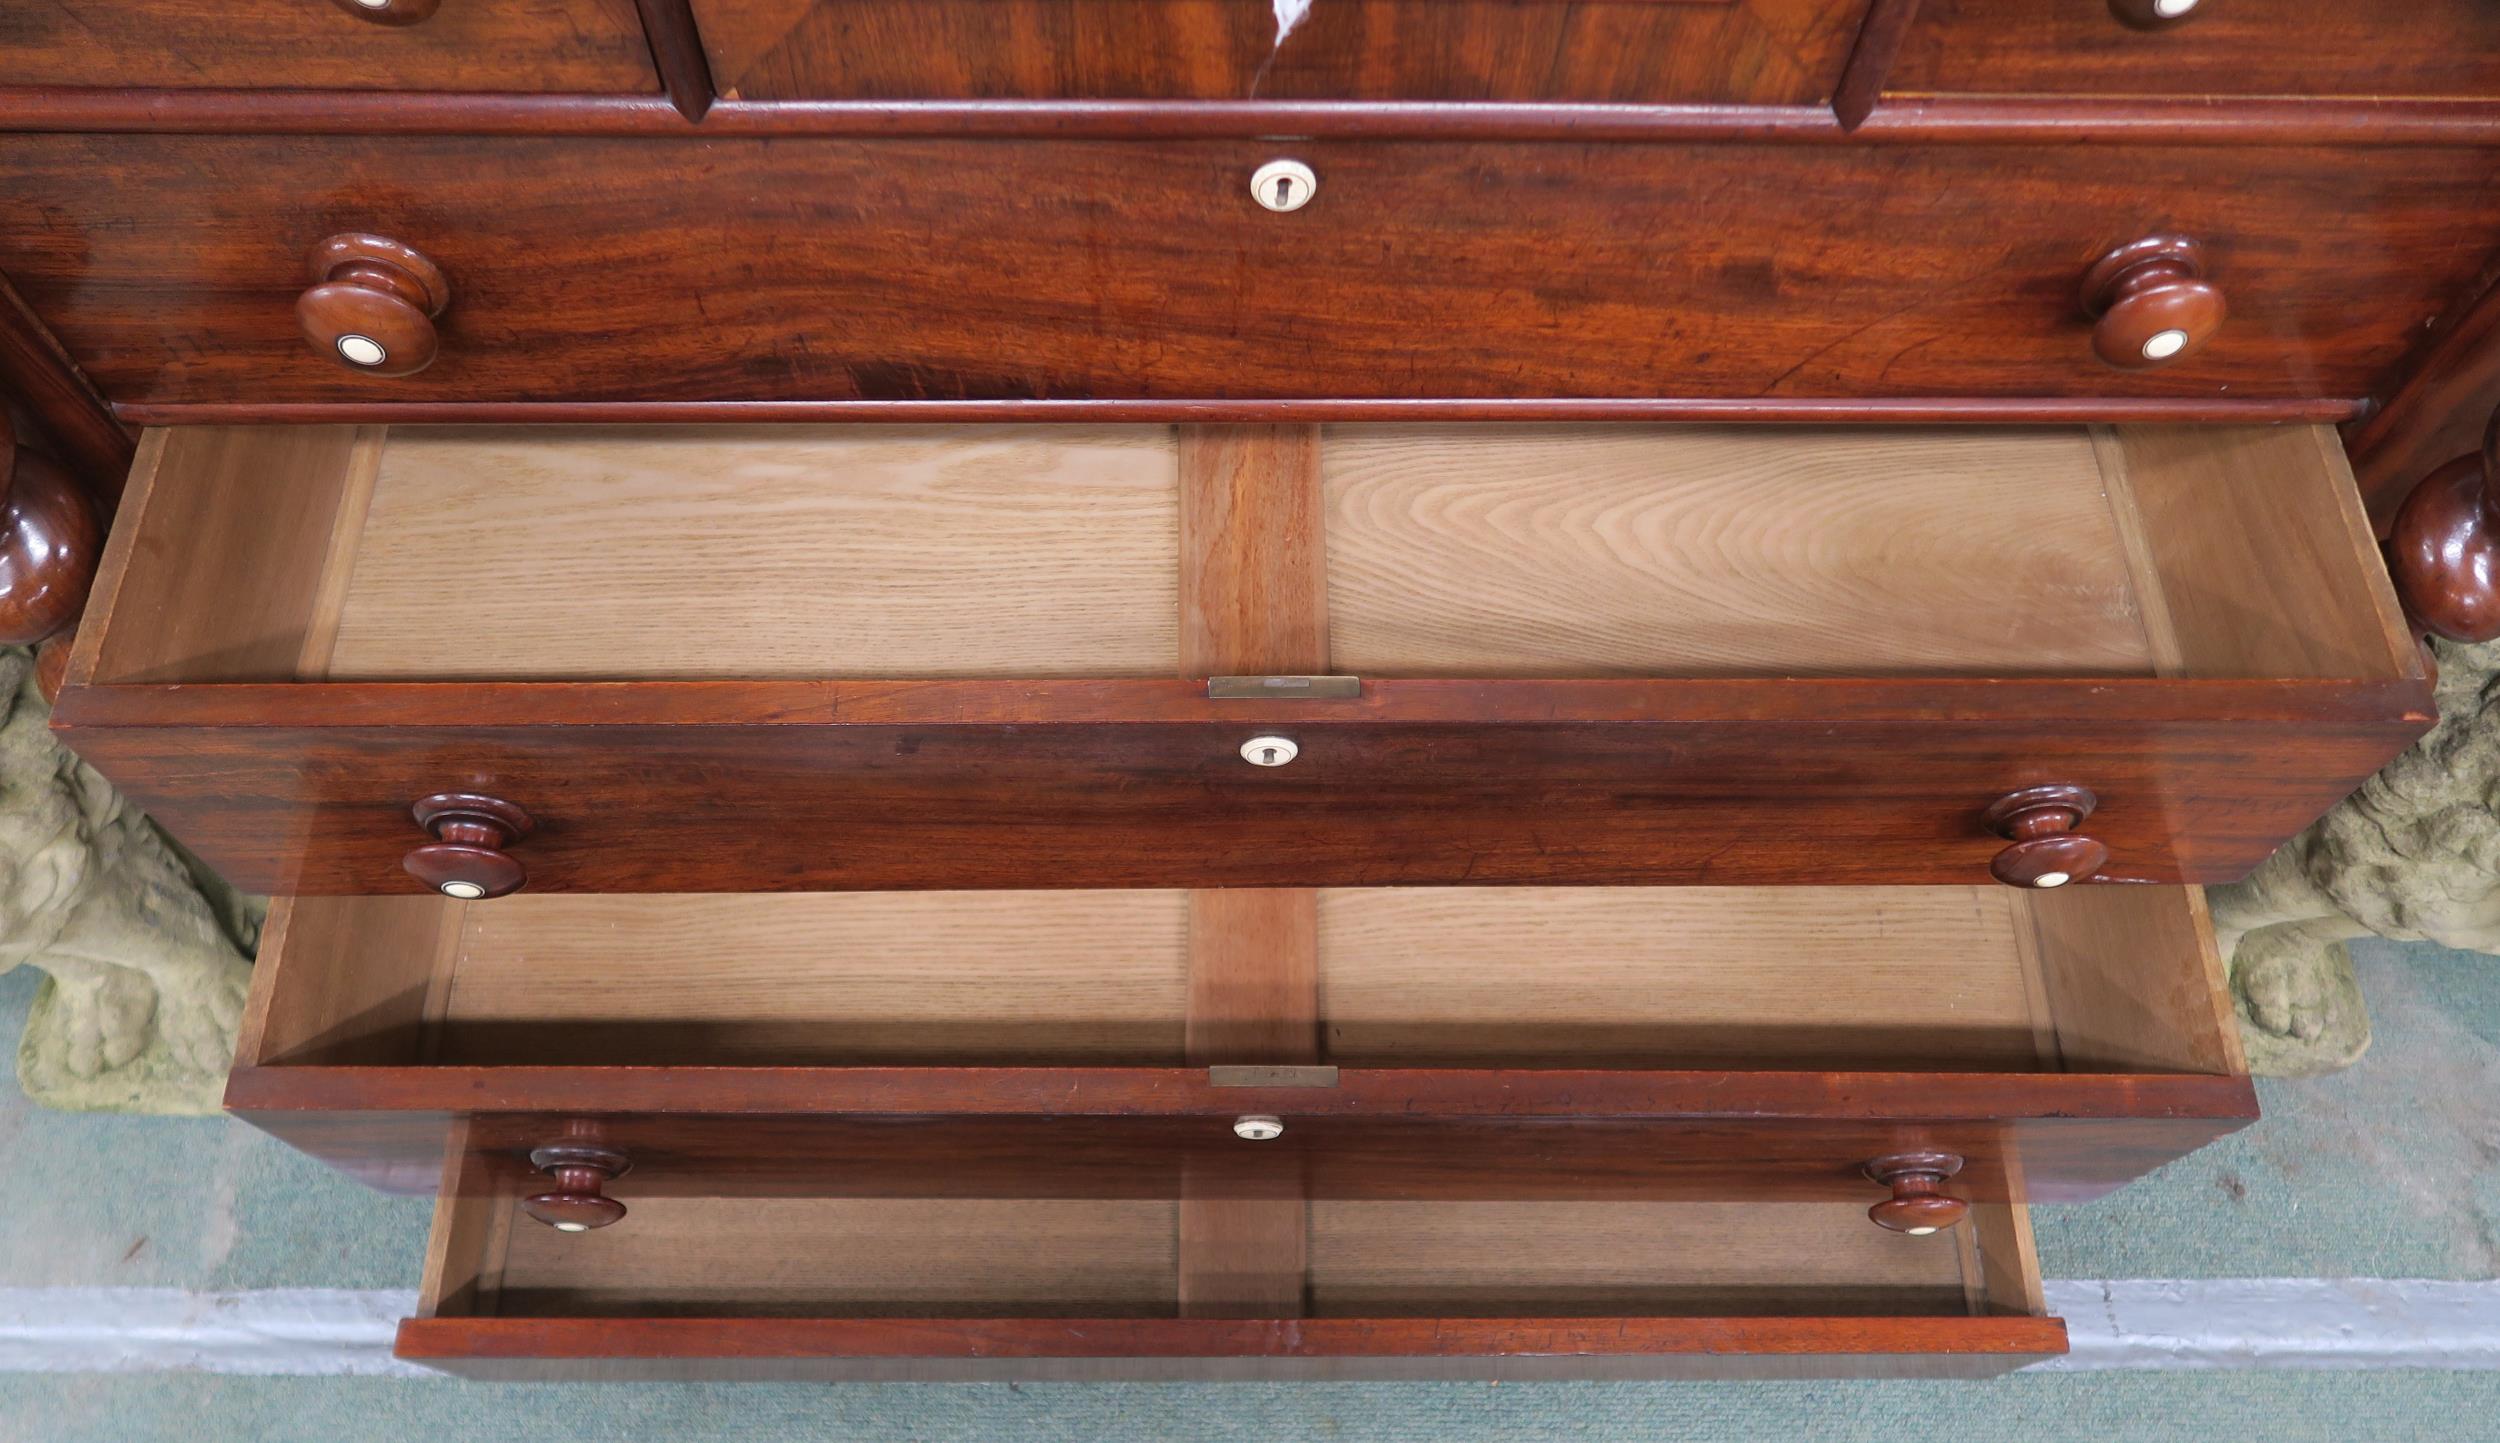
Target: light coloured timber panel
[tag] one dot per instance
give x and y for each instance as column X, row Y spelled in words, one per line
column 822, row 979
column 1503, row 1259
column 2256, row 539
column 1692, row 551
column 850, row 1257
column 1818, row 977
column 770, row 551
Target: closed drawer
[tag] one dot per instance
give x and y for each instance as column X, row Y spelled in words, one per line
column 828, row 271
column 1762, row 51
column 507, row 45
column 1621, row 1044
column 760, row 659
column 972, row 1135
column 2295, row 48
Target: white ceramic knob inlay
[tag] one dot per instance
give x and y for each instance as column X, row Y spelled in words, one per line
column 362, row 350
column 2052, row 879
column 2164, row 345
column 560, row 1227
column 2172, row 9
column 1259, row 1128
column 1269, row 751
column 1282, row 185
column 465, row 891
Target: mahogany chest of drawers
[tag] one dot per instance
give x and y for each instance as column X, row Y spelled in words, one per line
column 1386, row 688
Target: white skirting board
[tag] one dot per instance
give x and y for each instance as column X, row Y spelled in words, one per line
column 2146, row 1324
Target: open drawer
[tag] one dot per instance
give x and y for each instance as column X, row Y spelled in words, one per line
column 730, row 1285
column 1525, row 1044
column 812, row 658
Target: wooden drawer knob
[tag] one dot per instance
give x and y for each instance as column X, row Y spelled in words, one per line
column 2444, row 550
column 2153, row 14
column 372, row 305
column 577, row 1203
column 466, row 858
column 389, row 12
column 2151, row 302
column 49, row 541
column 2047, row 850
column 1918, row 1205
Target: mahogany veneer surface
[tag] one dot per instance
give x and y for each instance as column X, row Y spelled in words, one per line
column 504, row 45
column 2303, row 48
column 1761, row 51
column 828, row 270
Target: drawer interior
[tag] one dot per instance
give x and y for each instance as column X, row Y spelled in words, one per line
column 2101, row 980
column 515, row 553
column 1049, row 1257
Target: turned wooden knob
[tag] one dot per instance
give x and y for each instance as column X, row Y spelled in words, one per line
column 466, row 858
column 2444, row 550
column 49, row 541
column 2151, row 302
column 389, row 12
column 577, row 1203
column 1918, row 1205
column 2047, row 850
column 372, row 305
column 2153, row 14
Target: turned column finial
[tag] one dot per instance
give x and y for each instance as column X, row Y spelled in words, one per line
column 49, row 542
column 2444, row 550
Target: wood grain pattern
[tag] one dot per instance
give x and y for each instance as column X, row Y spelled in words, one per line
column 2112, row 1016
column 733, row 787
column 1566, row 1136
column 1253, row 599
column 1761, row 51
column 1254, row 565
column 270, row 556
column 2300, row 542
column 71, row 420
column 1023, row 977
column 2269, row 47
column 2435, row 409
column 1502, row 1259
column 1342, row 1349
column 803, row 1257
column 871, row 552
column 677, row 50
column 511, row 45
column 345, row 982
column 1534, row 551
column 1676, row 977
column 1510, row 271
column 1887, row 25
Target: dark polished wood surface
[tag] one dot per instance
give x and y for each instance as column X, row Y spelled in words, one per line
column 75, row 422
column 938, row 271
column 817, row 1347
column 2345, row 123
column 2051, row 1137
column 304, row 789
column 1758, row 51
column 506, row 45
column 2222, row 48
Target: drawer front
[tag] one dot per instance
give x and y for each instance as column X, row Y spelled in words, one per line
column 2425, row 48
column 507, row 45
column 823, row 270
column 1762, row 51
column 1127, row 799
column 740, row 1285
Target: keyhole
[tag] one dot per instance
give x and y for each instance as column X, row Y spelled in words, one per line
column 1269, row 751
column 1283, row 185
